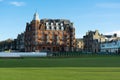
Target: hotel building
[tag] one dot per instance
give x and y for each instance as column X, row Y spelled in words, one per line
column 53, row 35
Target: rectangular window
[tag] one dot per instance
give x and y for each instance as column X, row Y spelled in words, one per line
column 47, row 24
column 47, row 27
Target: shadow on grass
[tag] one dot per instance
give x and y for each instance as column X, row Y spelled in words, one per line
column 61, row 62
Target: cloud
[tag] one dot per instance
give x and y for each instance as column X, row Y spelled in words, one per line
column 113, row 32
column 17, row 3
column 108, row 5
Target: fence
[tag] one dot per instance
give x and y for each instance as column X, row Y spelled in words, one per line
column 32, row 54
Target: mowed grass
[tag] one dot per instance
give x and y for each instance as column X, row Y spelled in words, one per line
column 67, row 73
column 83, row 68
column 105, row 61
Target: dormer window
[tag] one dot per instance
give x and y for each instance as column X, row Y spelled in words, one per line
column 47, row 27
column 47, row 24
column 61, row 24
column 56, row 24
column 51, row 24
column 62, row 28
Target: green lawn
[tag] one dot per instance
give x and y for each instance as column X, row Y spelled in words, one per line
column 83, row 68
column 60, row 73
column 107, row 61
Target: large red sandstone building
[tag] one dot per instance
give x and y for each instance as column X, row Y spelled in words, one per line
column 52, row 35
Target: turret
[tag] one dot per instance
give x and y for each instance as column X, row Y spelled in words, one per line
column 36, row 17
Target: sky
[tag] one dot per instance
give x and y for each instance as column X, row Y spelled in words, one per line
column 102, row 15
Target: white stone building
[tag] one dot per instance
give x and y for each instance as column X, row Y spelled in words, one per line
column 110, row 46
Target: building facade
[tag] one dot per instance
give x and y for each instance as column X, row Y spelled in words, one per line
column 52, row 35
column 16, row 45
column 79, row 45
column 110, row 47
column 92, row 41
column 7, row 45
column 20, row 43
column 111, row 37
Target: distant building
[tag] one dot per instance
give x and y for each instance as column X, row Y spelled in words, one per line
column 79, row 45
column 20, row 43
column 92, row 40
column 111, row 37
column 110, row 47
column 6, row 45
column 13, row 45
column 52, row 35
